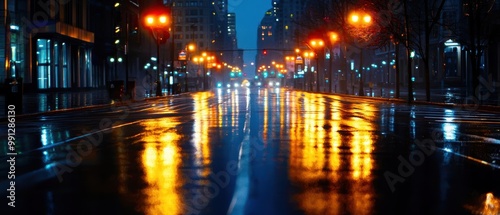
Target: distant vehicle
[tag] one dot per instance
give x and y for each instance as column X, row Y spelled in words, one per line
column 273, row 82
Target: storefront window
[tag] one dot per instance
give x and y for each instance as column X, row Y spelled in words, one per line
column 52, row 68
column 43, row 63
column 65, row 72
column 451, row 60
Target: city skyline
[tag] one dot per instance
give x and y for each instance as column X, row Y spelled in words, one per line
column 145, row 107
column 248, row 17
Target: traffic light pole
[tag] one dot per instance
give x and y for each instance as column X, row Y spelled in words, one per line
column 172, row 63
column 158, row 81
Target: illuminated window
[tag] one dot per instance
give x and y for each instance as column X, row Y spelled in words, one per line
column 52, row 74
column 43, row 63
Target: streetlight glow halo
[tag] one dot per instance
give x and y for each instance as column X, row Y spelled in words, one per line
column 367, row 18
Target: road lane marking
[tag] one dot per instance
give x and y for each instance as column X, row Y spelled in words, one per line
column 82, row 136
column 240, row 196
column 470, row 158
column 487, row 139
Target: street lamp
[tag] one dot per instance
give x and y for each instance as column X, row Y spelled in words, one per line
column 360, row 20
column 204, row 59
column 197, row 60
column 297, row 66
column 333, row 38
column 317, row 44
column 157, row 20
column 190, row 48
column 308, row 55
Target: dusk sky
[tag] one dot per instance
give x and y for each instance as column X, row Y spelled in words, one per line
column 249, row 13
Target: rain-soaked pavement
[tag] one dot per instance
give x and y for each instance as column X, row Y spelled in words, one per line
column 256, row 151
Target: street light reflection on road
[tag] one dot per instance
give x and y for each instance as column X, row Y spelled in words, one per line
column 491, row 205
column 161, row 160
column 201, row 139
column 321, row 152
column 449, row 127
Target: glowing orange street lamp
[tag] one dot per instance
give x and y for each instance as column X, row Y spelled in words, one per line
column 191, row 47
column 357, row 18
column 157, row 20
column 333, row 36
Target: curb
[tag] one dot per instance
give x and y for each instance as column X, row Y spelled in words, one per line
column 117, row 104
column 465, row 107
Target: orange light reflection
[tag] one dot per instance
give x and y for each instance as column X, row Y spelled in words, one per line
column 201, row 139
column 334, row 150
column 161, row 160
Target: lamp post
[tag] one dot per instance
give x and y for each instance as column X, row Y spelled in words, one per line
column 317, row 44
column 157, row 20
column 190, row 49
column 361, row 20
column 299, row 61
column 204, row 62
column 197, row 60
column 307, row 76
column 333, row 38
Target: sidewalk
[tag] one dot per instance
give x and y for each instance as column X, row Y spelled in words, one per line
column 41, row 102
column 446, row 95
column 50, row 101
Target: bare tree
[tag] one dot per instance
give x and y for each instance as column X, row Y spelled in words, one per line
column 475, row 35
column 426, row 17
column 390, row 22
column 413, row 28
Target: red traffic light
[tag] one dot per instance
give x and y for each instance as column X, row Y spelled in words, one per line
column 264, row 52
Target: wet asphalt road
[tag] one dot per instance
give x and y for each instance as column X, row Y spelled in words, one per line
column 256, row 151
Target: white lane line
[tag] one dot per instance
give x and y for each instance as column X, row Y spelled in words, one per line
column 241, row 190
column 469, row 121
column 83, row 136
column 470, row 158
column 485, row 139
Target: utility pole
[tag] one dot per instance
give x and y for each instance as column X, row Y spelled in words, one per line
column 172, row 53
column 7, row 40
column 126, row 86
column 408, row 52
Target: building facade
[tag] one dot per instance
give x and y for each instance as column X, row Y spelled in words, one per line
column 87, row 43
column 267, row 40
column 59, row 45
column 206, row 24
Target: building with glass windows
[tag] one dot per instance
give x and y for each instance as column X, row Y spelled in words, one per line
column 14, row 39
column 51, row 45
